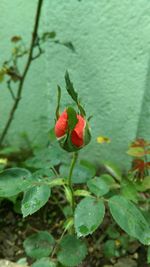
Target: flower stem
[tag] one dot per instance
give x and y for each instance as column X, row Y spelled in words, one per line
column 73, row 162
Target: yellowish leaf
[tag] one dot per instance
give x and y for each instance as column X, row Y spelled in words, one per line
column 103, row 139
column 136, row 152
column 2, row 74
column 3, row 161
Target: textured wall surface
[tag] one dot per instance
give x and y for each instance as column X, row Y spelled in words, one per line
column 110, row 68
column 17, row 19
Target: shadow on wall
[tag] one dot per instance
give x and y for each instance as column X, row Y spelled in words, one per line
column 144, row 119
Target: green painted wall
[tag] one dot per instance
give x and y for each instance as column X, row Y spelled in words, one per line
column 110, row 69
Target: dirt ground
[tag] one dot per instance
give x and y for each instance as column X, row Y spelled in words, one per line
column 14, row 229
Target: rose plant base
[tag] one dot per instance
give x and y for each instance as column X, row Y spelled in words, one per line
column 12, row 226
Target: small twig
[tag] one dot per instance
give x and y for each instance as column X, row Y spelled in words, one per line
column 57, row 244
column 40, row 51
column 10, row 89
column 38, row 55
column 32, row 228
column 22, row 80
column 54, row 171
column 22, row 54
column 14, row 73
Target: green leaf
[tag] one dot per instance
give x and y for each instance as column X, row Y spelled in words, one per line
column 72, row 251
column 128, row 190
column 109, row 248
column 144, row 185
column 34, row 199
column 129, row 218
column 98, row 186
column 17, row 206
column 43, row 175
column 89, row 214
column 90, row 166
column 14, row 180
column 113, row 170
column 110, row 181
column 51, row 135
column 67, row 210
column 72, row 118
column 112, row 232
column 7, row 151
column 48, row 35
column 136, row 151
column 69, row 45
column 39, row 245
column 44, row 262
column 126, row 242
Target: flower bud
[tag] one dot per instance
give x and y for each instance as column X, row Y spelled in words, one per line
column 72, row 140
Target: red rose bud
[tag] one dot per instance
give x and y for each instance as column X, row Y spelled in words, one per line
column 72, row 140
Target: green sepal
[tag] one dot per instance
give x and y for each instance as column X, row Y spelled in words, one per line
column 71, row 91
column 72, row 118
column 66, row 143
column 82, row 193
column 87, row 134
column 56, row 182
column 58, row 101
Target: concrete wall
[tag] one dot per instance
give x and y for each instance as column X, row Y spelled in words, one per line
column 110, row 69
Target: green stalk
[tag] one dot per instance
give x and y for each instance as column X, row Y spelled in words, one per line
column 73, row 162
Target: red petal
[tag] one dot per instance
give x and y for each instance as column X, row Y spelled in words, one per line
column 77, row 136
column 61, row 125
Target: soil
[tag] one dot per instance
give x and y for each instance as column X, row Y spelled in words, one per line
column 14, row 229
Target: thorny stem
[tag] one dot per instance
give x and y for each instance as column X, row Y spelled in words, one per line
column 75, row 156
column 22, row 79
column 73, row 162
